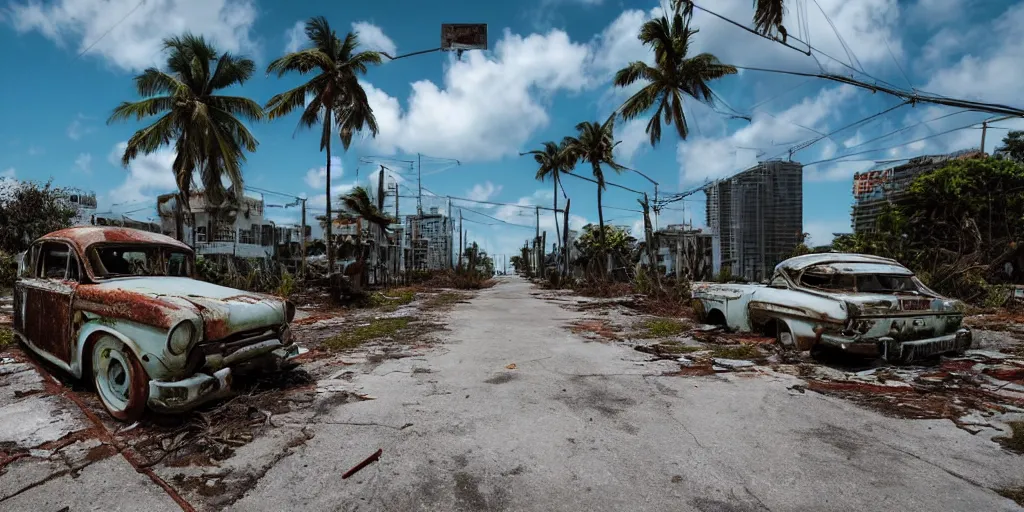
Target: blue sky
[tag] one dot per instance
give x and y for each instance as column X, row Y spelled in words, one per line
column 549, row 67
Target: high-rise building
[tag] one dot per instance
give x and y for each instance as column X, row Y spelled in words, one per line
column 756, row 218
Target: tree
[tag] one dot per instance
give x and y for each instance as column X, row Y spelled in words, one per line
column 617, row 241
column 1013, row 146
column 358, row 202
column 594, row 144
column 204, row 127
column 552, row 160
column 336, row 99
column 673, row 75
column 30, row 210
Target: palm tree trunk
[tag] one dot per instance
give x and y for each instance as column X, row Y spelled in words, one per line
column 330, row 221
column 558, row 232
column 600, row 223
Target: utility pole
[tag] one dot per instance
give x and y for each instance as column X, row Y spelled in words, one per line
column 303, row 235
column 536, row 240
column 984, row 128
column 460, row 238
column 448, row 232
column 419, row 180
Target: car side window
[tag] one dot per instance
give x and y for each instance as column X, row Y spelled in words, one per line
column 779, row 282
column 53, row 261
column 73, row 273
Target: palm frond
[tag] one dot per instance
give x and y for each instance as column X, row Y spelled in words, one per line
column 230, row 70
column 768, row 16
column 237, row 105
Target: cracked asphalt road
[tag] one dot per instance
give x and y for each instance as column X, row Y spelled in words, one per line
column 582, row 425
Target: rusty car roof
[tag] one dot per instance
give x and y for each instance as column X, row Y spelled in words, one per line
column 807, row 260
column 84, row 236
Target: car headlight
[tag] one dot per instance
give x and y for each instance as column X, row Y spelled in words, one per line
column 180, row 338
column 289, row 311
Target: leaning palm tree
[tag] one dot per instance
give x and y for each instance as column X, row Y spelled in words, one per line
column 204, row 127
column 594, row 144
column 358, row 203
column 672, row 77
column 336, row 100
column 552, row 162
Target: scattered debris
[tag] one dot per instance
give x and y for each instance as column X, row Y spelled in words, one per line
column 1014, row 493
column 510, row 366
column 603, row 329
column 369, row 460
column 733, row 364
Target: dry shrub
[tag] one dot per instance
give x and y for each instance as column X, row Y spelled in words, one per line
column 459, row 280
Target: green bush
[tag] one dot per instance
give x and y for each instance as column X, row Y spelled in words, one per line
column 8, row 271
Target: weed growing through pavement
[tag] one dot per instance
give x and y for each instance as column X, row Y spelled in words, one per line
column 377, row 328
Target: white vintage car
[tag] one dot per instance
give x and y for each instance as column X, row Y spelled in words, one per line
column 852, row 303
column 120, row 306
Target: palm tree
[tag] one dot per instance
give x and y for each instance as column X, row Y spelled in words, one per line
column 204, row 126
column 551, row 161
column 336, row 99
column 672, row 76
column 594, row 144
column 358, row 202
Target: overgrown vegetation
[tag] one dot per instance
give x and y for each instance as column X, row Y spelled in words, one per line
column 958, row 228
column 254, row 275
column 392, row 299
column 30, row 210
column 460, row 280
column 8, row 271
column 741, row 351
column 445, row 300
column 376, row 329
column 663, row 327
column 6, row 337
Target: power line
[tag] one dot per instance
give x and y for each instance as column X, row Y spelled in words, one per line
column 805, row 145
column 109, row 30
column 841, row 157
column 913, row 97
column 606, row 182
column 494, row 218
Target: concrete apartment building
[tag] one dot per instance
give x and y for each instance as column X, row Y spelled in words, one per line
column 243, row 233
column 755, row 218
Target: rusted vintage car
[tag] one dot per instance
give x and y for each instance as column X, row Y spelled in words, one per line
column 121, row 307
column 851, row 303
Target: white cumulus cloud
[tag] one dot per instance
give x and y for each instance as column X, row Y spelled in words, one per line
column 136, row 29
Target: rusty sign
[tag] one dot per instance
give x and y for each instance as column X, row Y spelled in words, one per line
column 464, row 36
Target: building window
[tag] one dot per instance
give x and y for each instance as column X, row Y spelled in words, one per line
column 201, row 234
column 248, row 236
column 224, row 233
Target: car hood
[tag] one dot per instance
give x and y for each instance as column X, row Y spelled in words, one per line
column 224, row 311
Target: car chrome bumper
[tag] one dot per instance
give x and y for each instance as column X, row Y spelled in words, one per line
column 184, row 394
column 902, row 351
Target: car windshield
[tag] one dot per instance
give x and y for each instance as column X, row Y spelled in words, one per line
column 134, row 260
column 881, row 283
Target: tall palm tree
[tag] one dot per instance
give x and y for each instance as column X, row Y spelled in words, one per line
column 672, row 76
column 336, row 99
column 204, row 126
column 594, row 144
column 552, row 162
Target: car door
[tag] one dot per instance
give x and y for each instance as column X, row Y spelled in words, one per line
column 45, row 296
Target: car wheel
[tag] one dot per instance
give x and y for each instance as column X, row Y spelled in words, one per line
column 783, row 335
column 121, row 381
